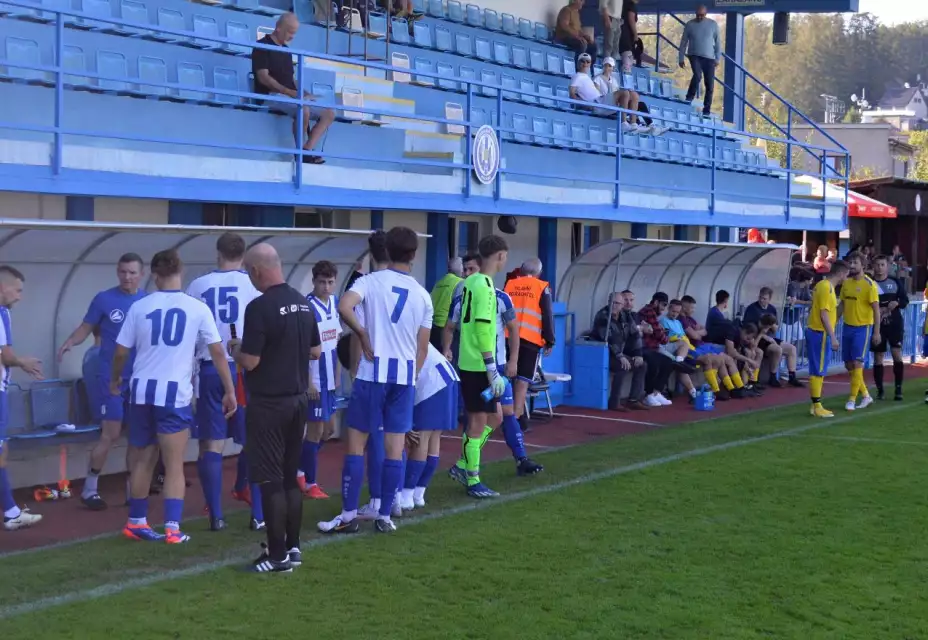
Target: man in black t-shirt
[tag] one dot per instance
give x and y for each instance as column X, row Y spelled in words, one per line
column 893, row 299
column 273, row 71
column 280, row 338
column 629, row 34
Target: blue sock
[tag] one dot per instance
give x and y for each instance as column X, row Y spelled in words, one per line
column 203, row 474
column 403, row 471
column 431, row 464
column 414, row 469
column 352, row 480
column 513, row 434
column 173, row 511
column 212, row 463
column 138, row 510
column 375, row 456
column 6, row 491
column 241, row 472
column 308, row 460
column 257, row 507
column 392, row 476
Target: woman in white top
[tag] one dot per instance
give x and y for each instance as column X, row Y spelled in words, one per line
column 583, row 87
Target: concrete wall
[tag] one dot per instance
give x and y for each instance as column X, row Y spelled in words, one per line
column 32, row 206
column 868, row 144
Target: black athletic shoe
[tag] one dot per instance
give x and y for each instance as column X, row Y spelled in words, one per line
column 94, row 502
column 774, row 383
column 880, row 394
column 216, row 524
column 257, row 525
column 264, row 564
column 753, row 391
column 757, row 387
column 296, row 556
column 724, row 395
column 795, row 382
column 898, row 396
column 384, row 526
column 738, row 394
column 528, row 467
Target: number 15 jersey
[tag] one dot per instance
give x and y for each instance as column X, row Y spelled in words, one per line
column 164, row 328
column 395, row 307
column 226, row 293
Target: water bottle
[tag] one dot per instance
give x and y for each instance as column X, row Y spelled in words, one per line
column 487, row 394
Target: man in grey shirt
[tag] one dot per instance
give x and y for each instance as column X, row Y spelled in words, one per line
column 703, row 46
column 612, row 27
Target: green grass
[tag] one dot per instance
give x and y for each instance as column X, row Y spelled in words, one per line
column 792, row 537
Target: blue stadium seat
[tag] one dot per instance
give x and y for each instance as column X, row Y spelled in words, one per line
column 325, row 94
column 463, row 45
column 239, row 32
column 675, row 150
column 519, row 57
column 191, row 74
column 478, row 117
column 528, row 85
column 563, row 92
column 455, row 11
column 419, row 6
column 554, row 63
column 642, row 85
column 10, row 11
column 132, row 11
column 666, row 90
column 169, row 19
column 510, row 86
column 662, row 149
column 468, row 73
column 509, row 24
column 523, row 129
column 206, row 28
column 689, row 152
column 490, row 18
column 226, row 79
column 64, row 5
column 570, row 66
column 474, row 16
column 597, row 138
column 703, row 157
column 443, row 40
column 537, row 60
column 630, row 145
column 683, row 119
column 100, row 9
column 483, row 50
column 436, row 8
column 446, row 71
column 526, row 29
column 627, row 81
column 426, row 65
column 422, row 35
column 376, row 25
column 561, row 134
column 611, row 139
column 254, row 6
column 73, row 59
column 112, row 64
column 153, row 70
column 501, row 54
column 579, row 136
column 542, row 130
column 541, row 32
column 27, row 52
column 546, row 89
column 488, row 77
column 399, row 30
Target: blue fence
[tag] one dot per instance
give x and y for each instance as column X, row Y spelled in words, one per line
column 717, row 158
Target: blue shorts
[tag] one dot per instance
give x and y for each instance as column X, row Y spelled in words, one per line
column 855, row 342
column 376, row 405
column 706, row 349
column 111, row 407
column 925, row 346
column 506, row 399
column 323, row 409
column 438, row 412
column 4, row 417
column 211, row 422
column 818, row 346
column 147, row 422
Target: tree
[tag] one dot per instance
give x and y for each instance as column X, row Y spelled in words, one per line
column 919, row 140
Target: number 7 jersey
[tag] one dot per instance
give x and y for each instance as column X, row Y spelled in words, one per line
column 395, row 307
column 164, row 328
column 226, row 293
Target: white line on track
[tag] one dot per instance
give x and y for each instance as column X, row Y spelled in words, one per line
column 866, row 440
column 121, row 586
column 527, row 444
column 607, row 418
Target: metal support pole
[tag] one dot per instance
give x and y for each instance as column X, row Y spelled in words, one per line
column 468, row 158
column 59, row 94
column 300, row 125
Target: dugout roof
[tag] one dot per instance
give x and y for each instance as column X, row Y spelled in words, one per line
column 67, row 263
column 698, row 269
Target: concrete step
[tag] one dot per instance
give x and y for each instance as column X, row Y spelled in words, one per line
column 426, row 143
column 383, row 103
column 371, row 86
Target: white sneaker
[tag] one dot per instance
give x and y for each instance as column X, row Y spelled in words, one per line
column 849, row 405
column 418, row 503
column 643, row 129
column 23, row 520
column 665, row 402
column 396, row 509
column 659, row 131
column 866, row 402
column 652, row 401
column 406, row 502
column 368, row 512
column 628, row 127
column 338, row 525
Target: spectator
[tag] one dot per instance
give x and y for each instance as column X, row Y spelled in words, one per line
column 615, row 324
column 718, row 365
column 798, row 301
column 569, row 30
column 682, row 347
column 722, row 331
column 629, row 35
column 612, row 27
column 583, row 88
column 773, row 348
column 702, row 45
column 442, row 295
column 607, row 83
column 273, row 71
column 715, row 319
column 821, row 263
column 660, row 362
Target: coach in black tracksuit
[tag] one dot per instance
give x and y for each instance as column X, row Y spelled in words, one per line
column 892, row 327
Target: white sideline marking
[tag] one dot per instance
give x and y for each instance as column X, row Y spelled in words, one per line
column 581, row 415
column 866, row 440
column 121, row 586
column 537, row 446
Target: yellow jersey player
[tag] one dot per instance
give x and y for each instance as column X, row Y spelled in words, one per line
column 860, row 305
column 820, row 334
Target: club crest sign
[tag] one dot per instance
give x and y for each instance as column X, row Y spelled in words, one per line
column 485, row 154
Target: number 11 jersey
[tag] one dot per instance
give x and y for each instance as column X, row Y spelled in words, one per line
column 395, row 307
column 164, row 328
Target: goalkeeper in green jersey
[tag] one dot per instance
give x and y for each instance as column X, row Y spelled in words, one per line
column 480, row 378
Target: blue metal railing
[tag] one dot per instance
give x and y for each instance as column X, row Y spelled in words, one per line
column 65, row 21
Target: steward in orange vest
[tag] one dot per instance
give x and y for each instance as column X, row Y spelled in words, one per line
column 531, row 300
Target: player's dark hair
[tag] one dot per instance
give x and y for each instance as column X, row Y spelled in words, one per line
column 490, row 245
column 12, row 272
column 749, row 329
column 377, row 245
column 838, row 267
column 675, row 303
column 627, row 291
column 721, row 296
column 166, row 263
column 882, row 256
column 766, row 291
column 853, row 255
column 768, row 320
column 126, row 258
column 470, row 257
column 660, row 296
column 231, row 246
column 688, row 300
column 325, row 269
column 402, row 244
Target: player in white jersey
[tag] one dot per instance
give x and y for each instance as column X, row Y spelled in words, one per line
column 323, row 375
column 164, row 328
column 226, row 291
column 436, row 410
column 505, row 322
column 394, row 341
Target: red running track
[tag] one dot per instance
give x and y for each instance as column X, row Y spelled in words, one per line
column 68, row 520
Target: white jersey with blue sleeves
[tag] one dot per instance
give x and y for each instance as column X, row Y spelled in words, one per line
column 226, row 293
column 164, row 328
column 324, row 370
column 505, row 313
column 436, row 375
column 6, row 338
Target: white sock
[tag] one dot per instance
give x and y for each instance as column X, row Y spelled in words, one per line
column 418, row 493
column 692, row 393
column 407, row 496
column 375, row 504
column 90, row 484
column 300, row 474
column 679, row 358
column 12, row 513
column 348, row 516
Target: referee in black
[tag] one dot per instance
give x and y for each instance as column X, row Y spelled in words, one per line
column 280, row 338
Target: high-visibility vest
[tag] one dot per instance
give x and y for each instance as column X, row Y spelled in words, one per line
column 526, row 292
column 441, row 298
